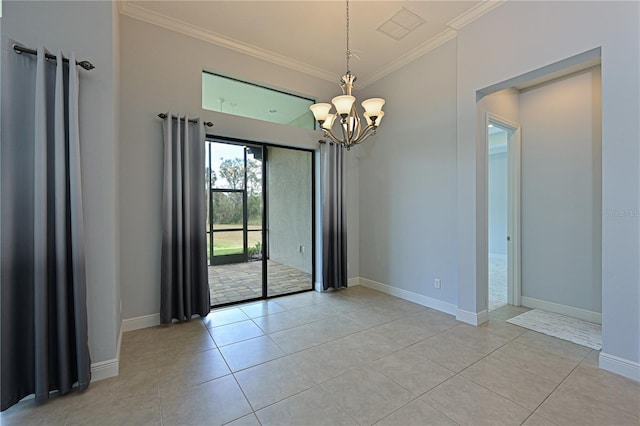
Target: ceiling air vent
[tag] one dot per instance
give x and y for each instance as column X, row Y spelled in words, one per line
column 401, row 24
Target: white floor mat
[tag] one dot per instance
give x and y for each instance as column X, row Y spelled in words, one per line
column 563, row 327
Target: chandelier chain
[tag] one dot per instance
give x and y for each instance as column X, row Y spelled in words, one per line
column 352, row 129
column 348, row 50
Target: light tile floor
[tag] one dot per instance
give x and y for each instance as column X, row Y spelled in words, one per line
column 243, row 281
column 497, row 281
column 353, row 357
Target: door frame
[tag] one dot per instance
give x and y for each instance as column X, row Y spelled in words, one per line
column 514, row 242
column 210, row 137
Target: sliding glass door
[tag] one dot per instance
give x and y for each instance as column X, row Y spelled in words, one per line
column 253, row 255
column 289, row 220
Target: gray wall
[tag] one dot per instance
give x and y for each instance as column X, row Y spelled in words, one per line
column 89, row 29
column 498, row 208
column 561, row 191
column 161, row 70
column 408, row 179
column 486, row 56
column 289, row 209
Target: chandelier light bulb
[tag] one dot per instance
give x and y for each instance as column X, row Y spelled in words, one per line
column 328, row 122
column 373, row 106
column 343, row 104
column 320, row 111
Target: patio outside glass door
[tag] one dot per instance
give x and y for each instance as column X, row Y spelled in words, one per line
column 254, row 255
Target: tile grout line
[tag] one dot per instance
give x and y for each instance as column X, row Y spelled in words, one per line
column 515, row 366
column 551, row 393
column 319, row 384
column 481, row 385
column 422, row 394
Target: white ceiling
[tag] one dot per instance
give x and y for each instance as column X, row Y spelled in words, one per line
column 309, row 36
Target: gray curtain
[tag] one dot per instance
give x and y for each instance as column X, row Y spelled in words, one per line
column 334, row 217
column 43, row 297
column 184, row 281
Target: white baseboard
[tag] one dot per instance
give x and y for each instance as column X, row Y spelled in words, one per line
column 621, row 366
column 420, row 299
column 557, row 308
column 109, row 368
column 137, row 323
column 473, row 318
column 105, row 369
column 353, row 281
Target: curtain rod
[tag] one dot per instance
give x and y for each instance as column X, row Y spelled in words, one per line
column 21, row 49
column 206, row 123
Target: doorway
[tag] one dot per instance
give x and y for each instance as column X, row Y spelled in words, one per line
column 503, row 204
column 260, row 216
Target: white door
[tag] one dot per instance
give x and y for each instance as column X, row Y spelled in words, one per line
column 503, row 203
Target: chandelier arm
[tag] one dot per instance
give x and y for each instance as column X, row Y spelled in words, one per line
column 329, row 133
column 366, row 135
column 368, row 131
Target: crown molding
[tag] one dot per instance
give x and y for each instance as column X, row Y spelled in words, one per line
column 411, row 56
column 474, row 13
column 450, row 33
column 151, row 17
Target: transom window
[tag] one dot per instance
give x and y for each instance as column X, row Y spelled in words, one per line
column 231, row 96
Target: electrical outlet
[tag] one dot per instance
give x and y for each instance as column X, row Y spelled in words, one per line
column 436, row 283
column 301, row 249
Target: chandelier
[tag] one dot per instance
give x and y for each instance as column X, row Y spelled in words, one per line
column 352, row 131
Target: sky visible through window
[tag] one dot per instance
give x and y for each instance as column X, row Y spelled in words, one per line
column 219, row 153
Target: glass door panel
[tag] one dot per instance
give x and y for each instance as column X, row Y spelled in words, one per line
column 233, row 180
column 289, row 221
